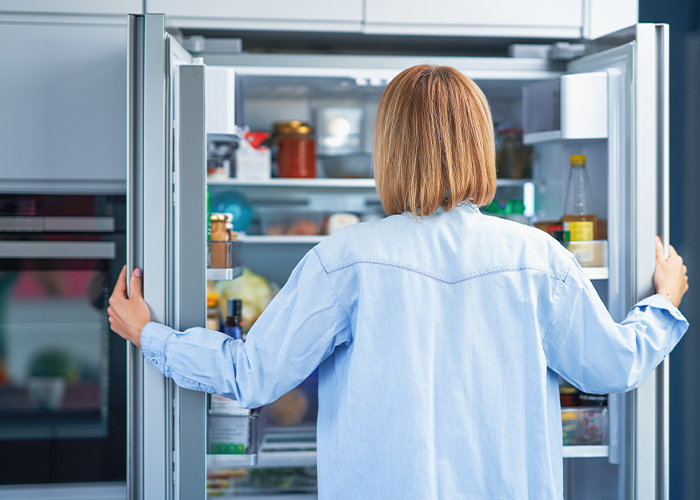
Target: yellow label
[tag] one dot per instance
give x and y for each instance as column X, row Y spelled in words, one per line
column 580, row 230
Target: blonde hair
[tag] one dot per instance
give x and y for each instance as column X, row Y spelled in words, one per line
column 433, row 142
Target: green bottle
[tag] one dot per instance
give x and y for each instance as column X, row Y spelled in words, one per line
column 208, row 214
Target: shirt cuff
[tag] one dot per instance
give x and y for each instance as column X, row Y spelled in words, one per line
column 661, row 302
column 154, row 338
column 680, row 326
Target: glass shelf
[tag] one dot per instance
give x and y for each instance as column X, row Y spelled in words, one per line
column 326, row 183
column 282, row 239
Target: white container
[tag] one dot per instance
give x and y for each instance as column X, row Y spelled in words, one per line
column 590, row 253
column 253, row 164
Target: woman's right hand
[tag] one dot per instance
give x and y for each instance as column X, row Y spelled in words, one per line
column 670, row 278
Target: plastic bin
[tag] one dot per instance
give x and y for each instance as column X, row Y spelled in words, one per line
column 290, row 221
column 585, row 425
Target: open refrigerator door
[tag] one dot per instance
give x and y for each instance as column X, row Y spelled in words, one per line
column 185, row 120
column 612, row 107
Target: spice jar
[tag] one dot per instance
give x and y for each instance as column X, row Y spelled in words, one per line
column 218, row 246
column 296, row 149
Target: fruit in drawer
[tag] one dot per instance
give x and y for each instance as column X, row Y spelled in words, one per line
column 275, row 230
column 303, row 227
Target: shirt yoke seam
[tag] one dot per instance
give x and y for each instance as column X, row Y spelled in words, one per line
column 500, row 269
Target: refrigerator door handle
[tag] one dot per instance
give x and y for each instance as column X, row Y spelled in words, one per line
column 134, row 172
column 663, row 205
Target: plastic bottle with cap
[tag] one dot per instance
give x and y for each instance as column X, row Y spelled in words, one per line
column 579, row 214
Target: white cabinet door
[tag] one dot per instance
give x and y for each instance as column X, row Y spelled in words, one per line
column 99, row 7
column 62, row 96
column 300, row 15
column 503, row 18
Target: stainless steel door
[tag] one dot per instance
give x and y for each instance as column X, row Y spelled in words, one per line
column 636, row 60
column 166, row 202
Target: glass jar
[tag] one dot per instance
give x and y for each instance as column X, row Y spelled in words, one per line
column 296, row 149
column 218, row 245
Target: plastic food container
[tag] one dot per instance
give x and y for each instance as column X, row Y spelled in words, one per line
column 590, row 253
column 585, row 425
column 290, row 221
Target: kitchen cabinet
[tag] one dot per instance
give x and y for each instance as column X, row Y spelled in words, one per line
column 80, row 7
column 266, row 15
column 502, row 18
column 63, row 125
column 167, row 231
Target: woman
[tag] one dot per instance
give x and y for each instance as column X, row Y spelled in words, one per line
column 439, row 332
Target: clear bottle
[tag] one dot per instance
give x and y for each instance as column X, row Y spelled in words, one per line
column 579, row 214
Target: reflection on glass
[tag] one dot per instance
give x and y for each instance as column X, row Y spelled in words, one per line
column 53, row 353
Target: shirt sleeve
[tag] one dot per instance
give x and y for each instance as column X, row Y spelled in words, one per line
column 587, row 348
column 298, row 330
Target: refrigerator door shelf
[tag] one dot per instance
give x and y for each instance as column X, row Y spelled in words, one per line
column 570, row 107
column 224, row 274
column 231, row 461
column 586, row 451
column 596, row 273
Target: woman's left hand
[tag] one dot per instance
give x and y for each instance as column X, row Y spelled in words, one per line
column 128, row 315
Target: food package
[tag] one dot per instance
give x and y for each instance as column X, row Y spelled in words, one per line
column 255, row 292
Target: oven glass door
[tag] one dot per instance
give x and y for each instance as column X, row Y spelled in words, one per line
column 62, row 371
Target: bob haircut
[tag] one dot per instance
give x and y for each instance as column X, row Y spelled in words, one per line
column 433, row 142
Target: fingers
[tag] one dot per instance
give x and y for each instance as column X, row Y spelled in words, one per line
column 120, row 287
column 135, row 289
column 659, row 249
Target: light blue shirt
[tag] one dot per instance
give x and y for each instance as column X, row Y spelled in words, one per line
column 439, row 342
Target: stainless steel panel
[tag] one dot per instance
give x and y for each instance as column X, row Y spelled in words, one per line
column 157, row 405
column 58, row 249
column 149, row 188
column 134, row 252
column 190, row 215
column 57, row 224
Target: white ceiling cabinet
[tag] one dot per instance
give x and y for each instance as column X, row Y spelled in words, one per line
column 62, row 98
column 272, row 15
column 82, row 7
column 497, row 18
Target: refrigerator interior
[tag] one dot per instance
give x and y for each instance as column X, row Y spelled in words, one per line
column 287, row 454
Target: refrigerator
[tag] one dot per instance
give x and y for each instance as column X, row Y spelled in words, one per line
column 610, row 103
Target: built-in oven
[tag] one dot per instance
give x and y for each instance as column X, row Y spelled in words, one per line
column 62, row 371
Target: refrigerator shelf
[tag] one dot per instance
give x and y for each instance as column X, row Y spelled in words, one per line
column 267, row 239
column 232, row 461
column 274, row 459
column 596, row 273
column 318, row 183
column 328, row 183
column 540, row 137
column 584, row 451
column 227, row 274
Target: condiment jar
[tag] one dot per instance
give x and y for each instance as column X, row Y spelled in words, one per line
column 296, row 149
column 218, row 246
